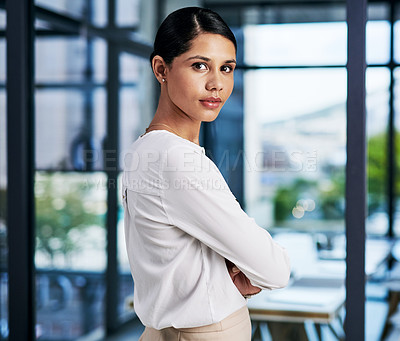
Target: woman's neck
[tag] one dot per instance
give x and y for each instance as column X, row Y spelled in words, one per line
column 177, row 123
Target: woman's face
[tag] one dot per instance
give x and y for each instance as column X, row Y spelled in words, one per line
column 199, row 81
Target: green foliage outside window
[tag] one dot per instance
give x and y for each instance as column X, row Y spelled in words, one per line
column 329, row 197
column 3, row 204
column 377, row 170
column 64, row 208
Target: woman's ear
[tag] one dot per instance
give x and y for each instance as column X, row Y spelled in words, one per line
column 159, row 68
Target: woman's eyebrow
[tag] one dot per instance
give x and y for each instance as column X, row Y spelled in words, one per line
column 230, row 61
column 199, row 57
column 206, row 59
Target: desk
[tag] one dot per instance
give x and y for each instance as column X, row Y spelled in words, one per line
column 315, row 298
column 307, row 300
column 377, row 252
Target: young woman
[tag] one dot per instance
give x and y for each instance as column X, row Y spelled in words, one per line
column 195, row 256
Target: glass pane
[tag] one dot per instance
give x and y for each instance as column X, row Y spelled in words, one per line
column 59, row 59
column 66, row 59
column 135, row 115
column 99, row 60
column 312, row 43
column 378, row 80
column 296, row 44
column 397, row 41
column 99, row 12
column 136, row 110
column 132, row 67
column 69, row 135
column 128, row 13
column 131, row 124
column 70, row 253
column 74, row 8
column 295, row 147
column 3, row 161
column 287, row 14
column 3, row 20
column 397, row 126
column 378, row 42
column 3, row 61
column 3, row 157
column 223, row 139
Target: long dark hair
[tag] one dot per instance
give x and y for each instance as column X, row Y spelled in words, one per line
column 179, row 28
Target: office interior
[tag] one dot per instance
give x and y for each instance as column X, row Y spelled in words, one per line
column 308, row 143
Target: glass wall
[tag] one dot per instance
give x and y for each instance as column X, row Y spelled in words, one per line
column 3, row 187
column 280, row 142
column 295, row 135
column 135, row 75
column 378, row 80
column 70, row 188
column 294, row 90
column 296, row 147
column 298, row 182
column 71, row 183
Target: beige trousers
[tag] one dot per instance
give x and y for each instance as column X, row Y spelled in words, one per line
column 236, row 327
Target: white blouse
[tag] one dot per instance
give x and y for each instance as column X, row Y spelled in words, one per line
column 181, row 222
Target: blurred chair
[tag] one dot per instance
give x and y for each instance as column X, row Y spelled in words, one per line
column 392, row 283
column 302, row 251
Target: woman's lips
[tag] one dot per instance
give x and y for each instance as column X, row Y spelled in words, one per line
column 211, row 102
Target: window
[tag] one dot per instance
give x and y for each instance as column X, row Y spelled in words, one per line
column 294, row 103
column 295, row 132
column 396, row 41
column 295, row 128
column 71, row 199
column 296, row 44
column 309, row 104
column 377, row 80
column 70, row 253
column 136, row 77
column 74, row 158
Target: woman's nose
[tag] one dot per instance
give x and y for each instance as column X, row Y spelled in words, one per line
column 214, row 82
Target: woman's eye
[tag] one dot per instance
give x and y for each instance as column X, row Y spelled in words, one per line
column 200, row 66
column 227, row 68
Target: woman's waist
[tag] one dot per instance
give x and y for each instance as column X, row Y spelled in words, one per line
column 230, row 321
column 197, row 312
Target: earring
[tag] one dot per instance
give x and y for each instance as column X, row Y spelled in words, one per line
column 163, row 80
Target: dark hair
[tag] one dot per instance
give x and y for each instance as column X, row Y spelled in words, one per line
column 179, row 28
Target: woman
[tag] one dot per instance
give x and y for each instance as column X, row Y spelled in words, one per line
column 195, row 256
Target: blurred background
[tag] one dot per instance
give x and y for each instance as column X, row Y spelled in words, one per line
column 280, row 143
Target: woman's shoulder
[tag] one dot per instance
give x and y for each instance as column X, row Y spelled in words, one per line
column 165, row 142
column 161, row 146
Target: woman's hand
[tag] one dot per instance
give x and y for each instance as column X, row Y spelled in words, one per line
column 240, row 280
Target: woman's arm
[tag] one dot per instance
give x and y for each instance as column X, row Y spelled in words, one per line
column 197, row 200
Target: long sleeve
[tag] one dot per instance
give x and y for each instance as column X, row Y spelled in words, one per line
column 209, row 212
column 181, row 225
